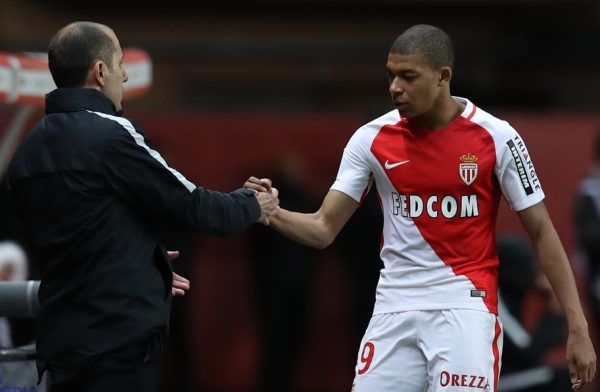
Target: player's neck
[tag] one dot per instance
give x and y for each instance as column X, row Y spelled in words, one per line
column 443, row 113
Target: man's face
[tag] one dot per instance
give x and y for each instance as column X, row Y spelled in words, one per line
column 115, row 76
column 414, row 85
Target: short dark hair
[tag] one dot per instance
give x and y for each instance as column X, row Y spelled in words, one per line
column 430, row 41
column 73, row 49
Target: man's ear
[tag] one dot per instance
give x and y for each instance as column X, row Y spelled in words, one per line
column 445, row 75
column 98, row 72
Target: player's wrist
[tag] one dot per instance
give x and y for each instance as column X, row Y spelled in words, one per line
column 580, row 328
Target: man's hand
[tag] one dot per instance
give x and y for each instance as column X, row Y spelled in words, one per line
column 581, row 358
column 266, row 195
column 259, row 185
column 269, row 204
column 180, row 284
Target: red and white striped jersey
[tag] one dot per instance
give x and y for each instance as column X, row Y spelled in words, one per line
column 439, row 192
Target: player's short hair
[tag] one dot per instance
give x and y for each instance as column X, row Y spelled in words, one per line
column 430, row 41
column 73, row 49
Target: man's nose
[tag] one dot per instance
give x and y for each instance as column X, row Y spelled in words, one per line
column 396, row 86
column 125, row 76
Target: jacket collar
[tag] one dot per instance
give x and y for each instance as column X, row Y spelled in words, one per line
column 77, row 99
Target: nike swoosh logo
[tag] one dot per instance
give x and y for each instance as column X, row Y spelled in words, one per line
column 389, row 165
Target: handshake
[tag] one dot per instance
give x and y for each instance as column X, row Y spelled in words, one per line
column 267, row 197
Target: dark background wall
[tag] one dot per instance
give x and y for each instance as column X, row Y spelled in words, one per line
column 236, row 55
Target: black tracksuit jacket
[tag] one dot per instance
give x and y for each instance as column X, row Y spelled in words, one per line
column 90, row 188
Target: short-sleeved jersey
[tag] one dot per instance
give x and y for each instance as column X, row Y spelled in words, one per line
column 439, row 192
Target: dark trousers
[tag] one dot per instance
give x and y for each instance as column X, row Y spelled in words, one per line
column 130, row 368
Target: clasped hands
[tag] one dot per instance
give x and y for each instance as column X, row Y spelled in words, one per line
column 267, row 197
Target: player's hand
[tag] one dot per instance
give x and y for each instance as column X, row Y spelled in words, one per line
column 581, row 358
column 258, row 184
column 269, row 204
column 180, row 284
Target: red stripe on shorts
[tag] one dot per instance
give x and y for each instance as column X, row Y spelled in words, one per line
column 496, row 355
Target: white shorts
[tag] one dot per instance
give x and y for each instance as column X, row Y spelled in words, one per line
column 430, row 350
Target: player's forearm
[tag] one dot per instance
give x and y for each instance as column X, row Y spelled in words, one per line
column 307, row 229
column 555, row 265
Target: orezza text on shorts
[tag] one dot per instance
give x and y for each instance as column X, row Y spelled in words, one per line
column 448, row 379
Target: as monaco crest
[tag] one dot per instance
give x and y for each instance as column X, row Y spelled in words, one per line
column 468, row 168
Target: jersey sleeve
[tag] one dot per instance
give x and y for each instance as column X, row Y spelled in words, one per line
column 354, row 172
column 515, row 171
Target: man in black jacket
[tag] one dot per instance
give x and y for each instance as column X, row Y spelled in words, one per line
column 89, row 188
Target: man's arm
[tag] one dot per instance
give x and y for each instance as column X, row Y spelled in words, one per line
column 555, row 264
column 139, row 175
column 318, row 229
